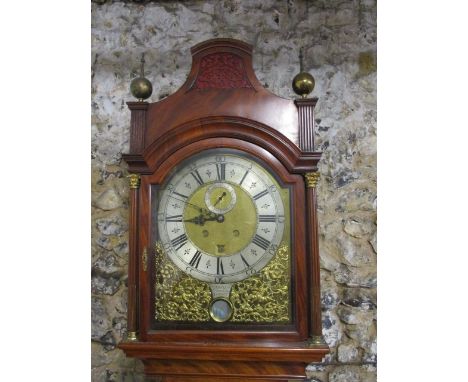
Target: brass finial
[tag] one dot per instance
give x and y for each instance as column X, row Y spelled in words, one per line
column 301, row 63
column 303, row 83
column 141, row 87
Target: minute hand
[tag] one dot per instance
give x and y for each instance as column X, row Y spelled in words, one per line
column 201, row 210
column 190, row 204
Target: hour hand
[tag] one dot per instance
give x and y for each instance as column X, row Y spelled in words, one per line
column 200, row 220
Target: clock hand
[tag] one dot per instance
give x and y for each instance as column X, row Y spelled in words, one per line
column 201, row 210
column 220, row 198
column 200, row 219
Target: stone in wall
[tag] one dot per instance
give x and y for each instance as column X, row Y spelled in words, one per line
column 339, row 41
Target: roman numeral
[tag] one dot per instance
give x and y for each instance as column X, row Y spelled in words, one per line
column 243, row 178
column 260, row 194
column 197, row 177
column 244, row 260
column 181, row 195
column 174, row 219
column 221, row 171
column 196, row 259
column 261, row 242
column 219, row 266
column 266, row 218
column 179, row 241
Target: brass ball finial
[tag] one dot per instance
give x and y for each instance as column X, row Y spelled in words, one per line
column 303, row 83
column 141, row 87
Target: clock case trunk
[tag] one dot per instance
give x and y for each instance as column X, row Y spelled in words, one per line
column 223, row 105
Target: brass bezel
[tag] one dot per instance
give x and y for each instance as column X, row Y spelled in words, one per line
column 214, row 318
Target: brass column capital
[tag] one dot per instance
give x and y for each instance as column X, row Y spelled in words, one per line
column 312, row 179
column 134, row 180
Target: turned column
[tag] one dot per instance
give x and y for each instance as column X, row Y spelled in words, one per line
column 315, row 331
column 137, row 144
column 132, row 318
column 306, row 142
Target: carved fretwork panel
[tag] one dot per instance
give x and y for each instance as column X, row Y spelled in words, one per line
column 221, row 71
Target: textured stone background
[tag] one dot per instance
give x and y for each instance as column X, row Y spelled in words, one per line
column 339, row 38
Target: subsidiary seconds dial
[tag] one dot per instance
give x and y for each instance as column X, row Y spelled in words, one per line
column 220, row 217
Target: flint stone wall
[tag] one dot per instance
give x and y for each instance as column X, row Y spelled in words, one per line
column 339, row 40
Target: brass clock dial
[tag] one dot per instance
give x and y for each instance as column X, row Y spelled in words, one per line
column 221, row 218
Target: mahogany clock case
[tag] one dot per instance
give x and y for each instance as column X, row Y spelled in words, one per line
column 223, row 106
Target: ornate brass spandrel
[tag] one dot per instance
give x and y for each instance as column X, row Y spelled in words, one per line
column 262, row 298
column 178, row 297
column 134, row 180
column 312, row 179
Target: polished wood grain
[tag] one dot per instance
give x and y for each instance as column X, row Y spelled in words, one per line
column 223, row 105
column 189, row 104
column 224, row 379
column 314, row 263
column 204, row 129
column 233, row 369
column 133, row 274
column 212, row 360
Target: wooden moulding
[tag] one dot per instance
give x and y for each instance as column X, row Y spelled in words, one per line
column 268, row 362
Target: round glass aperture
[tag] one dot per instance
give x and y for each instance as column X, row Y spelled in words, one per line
column 221, row 310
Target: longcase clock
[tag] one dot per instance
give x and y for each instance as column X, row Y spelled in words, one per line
column 224, row 280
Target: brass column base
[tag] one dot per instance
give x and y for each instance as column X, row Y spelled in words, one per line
column 317, row 340
column 132, row 336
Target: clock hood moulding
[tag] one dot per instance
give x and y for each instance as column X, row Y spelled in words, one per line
column 221, row 90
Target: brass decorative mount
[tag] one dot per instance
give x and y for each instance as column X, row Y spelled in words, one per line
column 132, row 336
column 186, row 288
column 312, row 179
column 134, row 180
column 144, row 259
column 316, row 340
column 141, row 88
column 303, row 83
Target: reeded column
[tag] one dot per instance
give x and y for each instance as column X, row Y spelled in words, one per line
column 306, row 122
column 315, row 332
column 132, row 318
column 138, row 125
